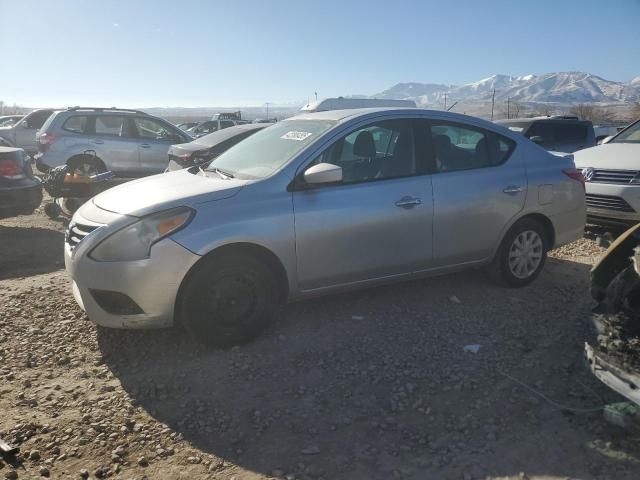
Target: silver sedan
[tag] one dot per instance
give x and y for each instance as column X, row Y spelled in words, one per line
column 320, row 203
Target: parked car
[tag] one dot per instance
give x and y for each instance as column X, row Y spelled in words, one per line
column 320, row 203
column 211, row 126
column 204, row 149
column 342, row 103
column 8, row 120
column 22, row 134
column 560, row 134
column 20, row 191
column 612, row 173
column 613, row 351
column 187, row 125
column 93, row 140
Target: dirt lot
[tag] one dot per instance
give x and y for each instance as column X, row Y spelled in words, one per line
column 374, row 384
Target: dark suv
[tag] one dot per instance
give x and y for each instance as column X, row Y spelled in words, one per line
column 559, row 134
column 20, row 190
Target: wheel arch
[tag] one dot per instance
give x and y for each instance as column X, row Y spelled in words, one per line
column 82, row 156
column 547, row 224
column 254, row 250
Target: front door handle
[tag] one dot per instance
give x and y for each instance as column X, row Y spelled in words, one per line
column 512, row 190
column 145, row 145
column 408, row 202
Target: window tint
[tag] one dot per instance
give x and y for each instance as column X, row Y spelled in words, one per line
column 77, row 124
column 378, row 151
column 458, row 147
column 152, row 129
column 111, row 125
column 207, row 127
column 37, row 119
column 557, row 132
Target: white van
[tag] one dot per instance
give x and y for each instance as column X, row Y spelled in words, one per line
column 342, row 103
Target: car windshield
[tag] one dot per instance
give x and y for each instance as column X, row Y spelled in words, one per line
column 630, row 135
column 268, row 150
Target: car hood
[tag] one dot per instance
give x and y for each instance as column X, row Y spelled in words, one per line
column 617, row 156
column 166, row 190
column 187, row 147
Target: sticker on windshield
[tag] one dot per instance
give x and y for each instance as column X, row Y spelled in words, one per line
column 298, row 136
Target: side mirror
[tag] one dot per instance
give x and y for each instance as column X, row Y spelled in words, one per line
column 606, row 139
column 323, row 173
column 537, row 139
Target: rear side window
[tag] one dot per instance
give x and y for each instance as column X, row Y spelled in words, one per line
column 36, row 119
column 557, row 132
column 462, row 147
column 111, row 125
column 75, row 124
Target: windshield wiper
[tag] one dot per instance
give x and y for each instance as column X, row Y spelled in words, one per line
column 223, row 173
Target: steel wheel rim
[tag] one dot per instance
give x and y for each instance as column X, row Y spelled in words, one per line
column 233, row 300
column 525, row 254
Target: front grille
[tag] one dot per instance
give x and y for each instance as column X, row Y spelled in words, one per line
column 76, row 232
column 608, row 202
column 613, row 176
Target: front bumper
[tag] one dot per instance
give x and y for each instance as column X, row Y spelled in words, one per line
column 151, row 283
column 22, row 198
column 630, row 194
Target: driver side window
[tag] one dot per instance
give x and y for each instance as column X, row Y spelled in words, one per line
column 378, row 151
column 151, row 129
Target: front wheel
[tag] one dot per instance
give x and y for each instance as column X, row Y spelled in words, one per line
column 521, row 255
column 228, row 299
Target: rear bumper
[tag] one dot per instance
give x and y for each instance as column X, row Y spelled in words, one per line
column 20, row 199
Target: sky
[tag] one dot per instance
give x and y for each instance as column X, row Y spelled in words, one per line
column 146, row 53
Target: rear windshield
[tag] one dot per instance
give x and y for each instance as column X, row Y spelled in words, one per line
column 268, row 150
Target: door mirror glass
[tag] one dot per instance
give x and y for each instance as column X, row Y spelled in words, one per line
column 323, row 173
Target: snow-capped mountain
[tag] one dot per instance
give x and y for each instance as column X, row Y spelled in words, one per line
column 560, row 87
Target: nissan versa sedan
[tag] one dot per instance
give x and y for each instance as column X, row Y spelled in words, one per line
column 320, row 203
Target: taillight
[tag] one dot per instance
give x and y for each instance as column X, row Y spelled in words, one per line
column 45, row 141
column 10, row 169
column 574, row 174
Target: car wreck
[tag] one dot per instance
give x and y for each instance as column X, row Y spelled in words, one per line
column 614, row 352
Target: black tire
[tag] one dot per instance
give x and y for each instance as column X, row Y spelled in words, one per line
column 86, row 165
column 516, row 267
column 228, row 299
column 52, row 210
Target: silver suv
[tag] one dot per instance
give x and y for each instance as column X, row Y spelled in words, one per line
column 92, row 140
column 318, row 203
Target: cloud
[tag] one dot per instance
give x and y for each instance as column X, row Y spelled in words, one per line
column 115, row 25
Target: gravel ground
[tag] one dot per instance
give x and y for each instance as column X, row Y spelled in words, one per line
column 366, row 385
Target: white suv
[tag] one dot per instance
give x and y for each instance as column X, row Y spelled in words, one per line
column 612, row 173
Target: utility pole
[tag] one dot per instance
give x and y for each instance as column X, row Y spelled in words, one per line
column 493, row 101
column 267, row 110
column 445, row 100
column 508, row 108
column 316, row 93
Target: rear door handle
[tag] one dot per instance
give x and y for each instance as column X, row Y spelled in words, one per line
column 145, row 145
column 512, row 190
column 408, row 202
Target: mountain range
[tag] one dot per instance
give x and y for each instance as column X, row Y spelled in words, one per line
column 560, row 88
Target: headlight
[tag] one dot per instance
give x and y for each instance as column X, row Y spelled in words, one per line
column 134, row 241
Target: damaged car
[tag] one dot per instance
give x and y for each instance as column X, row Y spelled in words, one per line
column 614, row 353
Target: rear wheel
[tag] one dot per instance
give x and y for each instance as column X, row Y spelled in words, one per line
column 228, row 300
column 521, row 255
